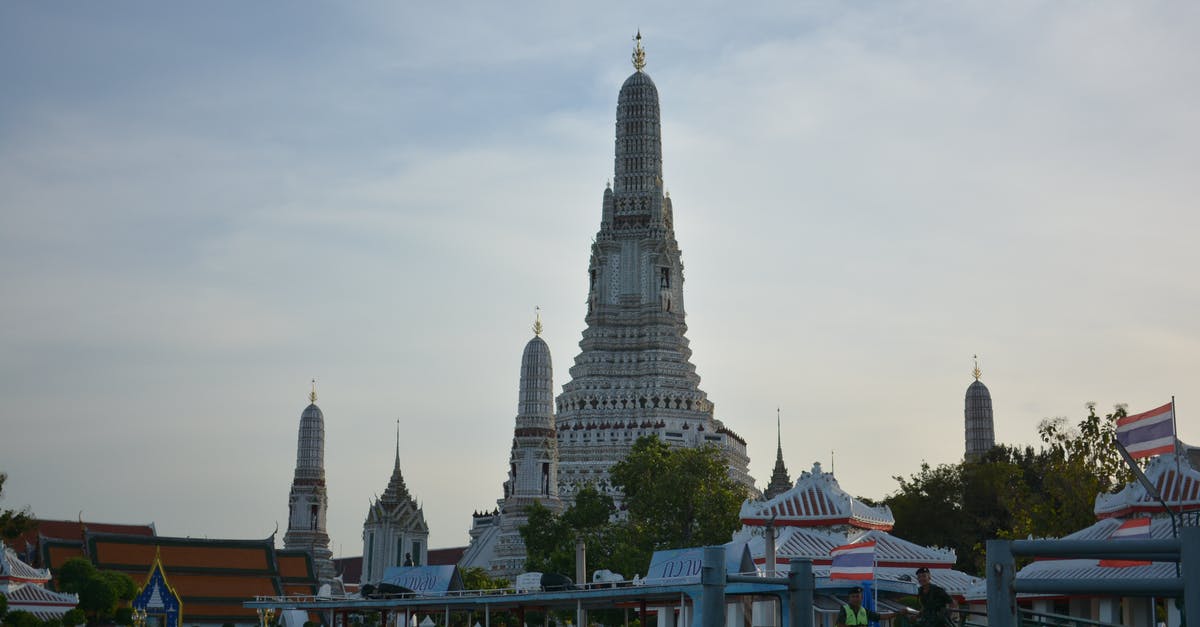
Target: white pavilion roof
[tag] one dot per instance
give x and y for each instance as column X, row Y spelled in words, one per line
column 1173, row 476
column 1160, row 529
column 816, row 501
column 43, row 603
column 14, row 571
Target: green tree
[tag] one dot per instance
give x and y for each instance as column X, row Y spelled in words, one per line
column 74, row 617
column 123, row 584
column 678, row 497
column 674, row 498
column 74, row 574
column 3, row 606
column 98, row 597
column 14, row 522
column 21, row 618
column 476, row 578
column 1012, row 492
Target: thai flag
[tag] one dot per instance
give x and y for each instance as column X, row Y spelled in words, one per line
column 1132, row 529
column 1150, row 433
column 853, row 561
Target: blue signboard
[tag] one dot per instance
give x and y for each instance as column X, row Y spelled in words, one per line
column 158, row 600
column 430, row 580
column 682, row 566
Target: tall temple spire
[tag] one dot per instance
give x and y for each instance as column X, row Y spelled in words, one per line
column 977, row 414
column 780, row 481
column 532, row 463
column 308, row 501
column 634, row 373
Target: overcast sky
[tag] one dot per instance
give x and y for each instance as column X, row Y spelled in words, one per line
column 205, row 205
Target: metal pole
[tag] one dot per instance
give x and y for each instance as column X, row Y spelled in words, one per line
column 1001, row 573
column 711, row 610
column 1189, row 554
column 800, row 593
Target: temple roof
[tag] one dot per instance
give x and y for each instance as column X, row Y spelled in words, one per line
column 816, row 501
column 215, row 577
column 14, row 571
column 1174, row 478
column 43, row 603
column 1090, row 569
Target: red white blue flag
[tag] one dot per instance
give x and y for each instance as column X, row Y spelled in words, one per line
column 1132, row 529
column 1149, row 433
column 853, row 561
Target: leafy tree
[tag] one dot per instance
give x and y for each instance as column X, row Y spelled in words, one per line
column 74, row 617
column 3, row 606
column 122, row 584
column 476, row 578
column 679, row 497
column 123, row 616
column 98, row 597
column 14, row 522
column 1012, row 492
column 74, row 574
column 21, row 618
column 674, row 498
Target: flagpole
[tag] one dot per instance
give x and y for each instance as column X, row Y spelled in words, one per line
column 1178, row 452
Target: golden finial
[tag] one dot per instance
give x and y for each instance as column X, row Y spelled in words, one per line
column 639, row 54
column 976, row 372
column 537, row 321
column 312, row 396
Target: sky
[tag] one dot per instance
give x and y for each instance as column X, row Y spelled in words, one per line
column 203, row 206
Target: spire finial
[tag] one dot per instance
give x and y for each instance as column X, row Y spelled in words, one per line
column 537, row 321
column 976, row 372
column 312, row 396
column 397, row 441
column 778, row 436
column 639, row 54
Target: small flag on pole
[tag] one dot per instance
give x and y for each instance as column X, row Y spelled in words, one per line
column 853, row 561
column 1132, row 529
column 1149, row 433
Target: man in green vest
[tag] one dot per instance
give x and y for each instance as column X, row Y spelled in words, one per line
column 854, row 614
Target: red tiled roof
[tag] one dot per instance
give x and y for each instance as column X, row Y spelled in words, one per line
column 350, row 568
column 445, row 557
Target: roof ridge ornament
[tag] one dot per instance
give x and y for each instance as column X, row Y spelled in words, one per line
column 537, row 321
column 976, row 372
column 639, row 53
column 312, row 396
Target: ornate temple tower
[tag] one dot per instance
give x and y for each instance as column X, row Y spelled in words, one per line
column 307, row 502
column 394, row 532
column 780, row 481
column 977, row 412
column 633, row 375
column 533, row 463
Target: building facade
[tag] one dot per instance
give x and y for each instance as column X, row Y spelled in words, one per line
column 394, row 531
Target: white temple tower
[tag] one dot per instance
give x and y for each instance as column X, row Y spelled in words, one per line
column 633, row 375
column 307, row 502
column 977, row 414
column 533, row 463
column 394, row 532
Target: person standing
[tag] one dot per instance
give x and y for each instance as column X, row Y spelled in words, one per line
column 936, row 603
column 853, row 613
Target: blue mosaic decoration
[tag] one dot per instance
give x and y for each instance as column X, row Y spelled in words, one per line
column 159, row 601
